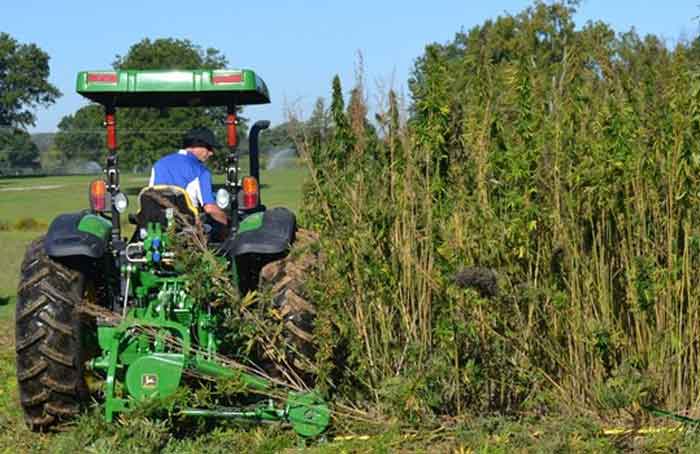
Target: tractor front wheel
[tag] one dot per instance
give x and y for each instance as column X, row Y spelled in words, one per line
column 48, row 334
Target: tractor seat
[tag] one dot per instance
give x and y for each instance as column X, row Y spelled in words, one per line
column 154, row 201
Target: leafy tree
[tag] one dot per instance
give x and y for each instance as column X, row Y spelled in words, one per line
column 80, row 135
column 169, row 53
column 43, row 140
column 17, row 149
column 276, row 138
column 24, row 85
column 318, row 124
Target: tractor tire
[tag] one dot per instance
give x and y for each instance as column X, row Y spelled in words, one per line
column 284, row 281
column 48, row 330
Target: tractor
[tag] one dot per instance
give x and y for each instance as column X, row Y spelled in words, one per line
column 145, row 336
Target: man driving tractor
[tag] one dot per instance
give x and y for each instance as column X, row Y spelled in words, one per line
column 185, row 168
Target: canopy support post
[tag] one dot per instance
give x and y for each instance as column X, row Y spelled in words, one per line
column 232, row 165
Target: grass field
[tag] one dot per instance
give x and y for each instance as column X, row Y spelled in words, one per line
column 34, row 202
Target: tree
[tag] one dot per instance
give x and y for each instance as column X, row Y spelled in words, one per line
column 80, row 135
column 169, row 53
column 144, row 135
column 318, row 125
column 276, row 138
column 342, row 135
column 24, row 85
column 17, row 149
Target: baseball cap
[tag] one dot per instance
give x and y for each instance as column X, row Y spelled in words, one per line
column 201, row 136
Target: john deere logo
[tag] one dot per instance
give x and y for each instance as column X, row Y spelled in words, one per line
column 149, row 381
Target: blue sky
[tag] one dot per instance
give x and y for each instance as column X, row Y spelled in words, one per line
column 296, row 46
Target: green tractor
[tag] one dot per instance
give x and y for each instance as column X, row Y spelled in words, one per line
column 144, row 334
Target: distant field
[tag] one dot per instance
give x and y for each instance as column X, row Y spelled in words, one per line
column 43, row 198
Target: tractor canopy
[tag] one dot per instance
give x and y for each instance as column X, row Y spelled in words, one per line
column 173, row 88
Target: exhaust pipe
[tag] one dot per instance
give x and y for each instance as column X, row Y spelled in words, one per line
column 253, row 147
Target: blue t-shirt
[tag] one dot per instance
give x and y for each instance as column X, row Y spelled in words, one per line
column 183, row 169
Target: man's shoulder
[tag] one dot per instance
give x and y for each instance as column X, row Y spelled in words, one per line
column 179, row 158
column 179, row 161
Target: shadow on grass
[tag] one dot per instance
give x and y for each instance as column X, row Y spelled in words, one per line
column 4, row 300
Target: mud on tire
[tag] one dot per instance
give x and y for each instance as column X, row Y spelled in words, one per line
column 284, row 281
column 48, row 325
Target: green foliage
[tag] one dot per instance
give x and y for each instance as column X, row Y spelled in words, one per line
column 169, row 53
column 564, row 159
column 80, row 135
column 24, row 85
column 17, row 149
column 43, row 140
column 318, row 125
column 342, row 135
column 276, row 138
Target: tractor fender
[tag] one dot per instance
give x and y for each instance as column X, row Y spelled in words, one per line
column 81, row 234
column 268, row 232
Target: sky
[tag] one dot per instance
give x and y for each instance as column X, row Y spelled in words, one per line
column 295, row 46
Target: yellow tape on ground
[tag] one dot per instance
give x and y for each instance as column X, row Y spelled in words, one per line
column 611, row 431
column 351, row 437
column 642, row 431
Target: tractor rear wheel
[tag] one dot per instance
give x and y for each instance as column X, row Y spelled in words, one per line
column 284, row 281
column 48, row 331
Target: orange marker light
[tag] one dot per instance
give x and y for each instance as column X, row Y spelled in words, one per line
column 98, row 195
column 250, row 192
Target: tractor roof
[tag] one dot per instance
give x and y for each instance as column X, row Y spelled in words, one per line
column 173, row 88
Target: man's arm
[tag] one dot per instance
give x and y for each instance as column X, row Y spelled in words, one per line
column 208, row 202
column 216, row 213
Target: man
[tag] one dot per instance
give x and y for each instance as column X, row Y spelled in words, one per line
column 185, row 169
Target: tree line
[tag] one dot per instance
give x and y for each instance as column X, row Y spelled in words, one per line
column 143, row 134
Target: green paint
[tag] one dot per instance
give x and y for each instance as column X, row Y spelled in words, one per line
column 170, row 88
column 165, row 332
column 155, row 375
column 95, row 225
column 308, row 413
column 215, row 370
column 251, row 222
column 260, row 413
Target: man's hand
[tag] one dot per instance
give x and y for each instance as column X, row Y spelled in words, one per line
column 216, row 213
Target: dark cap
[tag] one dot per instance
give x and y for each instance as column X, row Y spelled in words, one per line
column 200, row 136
